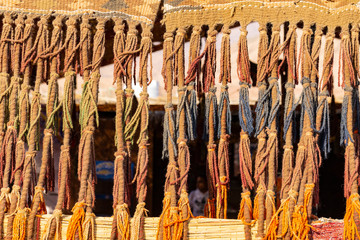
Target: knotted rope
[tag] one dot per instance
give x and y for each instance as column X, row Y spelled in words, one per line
column 210, row 126
column 7, row 32
column 24, row 109
column 121, row 219
column 224, row 126
column 7, row 154
column 281, row 220
column 53, row 226
column 272, row 142
column 47, row 172
column 308, row 151
column 142, row 113
column 169, row 211
column 29, row 174
column 88, row 122
column 262, row 111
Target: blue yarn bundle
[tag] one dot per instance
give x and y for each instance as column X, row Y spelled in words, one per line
column 245, row 117
column 169, row 117
column 210, row 99
column 224, row 98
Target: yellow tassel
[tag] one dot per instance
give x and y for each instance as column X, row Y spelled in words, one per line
column 57, row 215
column 76, row 221
column 209, row 208
column 89, row 227
column 300, row 224
column 285, row 220
column 172, row 224
column 166, row 206
column 352, row 207
column 123, row 223
column 245, row 199
column 19, row 224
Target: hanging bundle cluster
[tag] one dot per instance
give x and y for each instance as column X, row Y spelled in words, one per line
column 8, row 140
column 281, row 220
column 224, row 126
column 121, row 220
column 246, row 124
column 53, row 227
column 41, row 43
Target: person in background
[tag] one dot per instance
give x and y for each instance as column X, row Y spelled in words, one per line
column 199, row 197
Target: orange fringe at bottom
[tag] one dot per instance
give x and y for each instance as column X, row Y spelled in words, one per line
column 20, row 223
column 300, row 222
column 76, row 221
column 352, row 208
column 209, row 209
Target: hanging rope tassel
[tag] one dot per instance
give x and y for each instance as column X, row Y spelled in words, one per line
column 19, row 232
column 310, row 149
column 53, row 226
column 212, row 166
column 17, row 177
column 7, row 154
column 47, row 172
column 121, row 219
column 29, row 174
column 55, row 220
column 7, row 32
column 165, row 229
column 127, row 59
column 271, row 153
column 348, row 118
column 76, row 221
column 193, row 74
column 246, row 124
column 280, row 222
column 224, row 126
column 262, row 112
column 137, row 226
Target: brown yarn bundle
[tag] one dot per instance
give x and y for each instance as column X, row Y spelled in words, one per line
column 83, row 220
column 41, row 43
column 182, row 124
column 5, row 65
column 142, row 115
column 261, row 118
column 272, row 141
column 53, row 226
column 308, row 158
column 246, row 124
column 121, row 219
column 169, row 226
column 224, row 128
column 24, row 109
column 47, row 174
column 281, row 220
column 210, row 118
column 7, row 155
